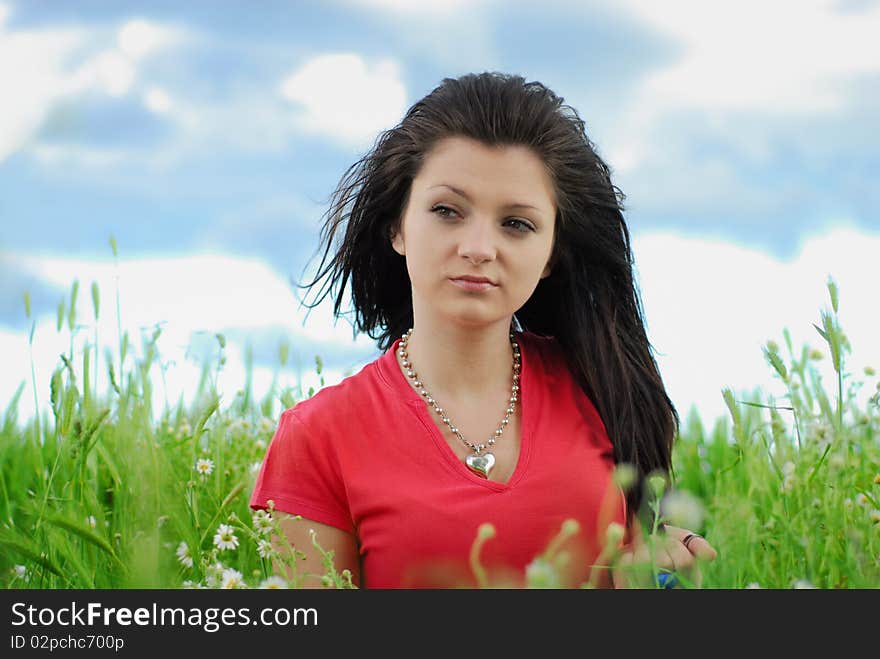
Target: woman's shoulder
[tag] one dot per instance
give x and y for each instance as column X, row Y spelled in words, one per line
column 339, row 399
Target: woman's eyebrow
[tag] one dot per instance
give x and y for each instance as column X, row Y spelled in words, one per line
column 462, row 193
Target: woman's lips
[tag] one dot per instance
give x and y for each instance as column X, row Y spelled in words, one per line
column 475, row 286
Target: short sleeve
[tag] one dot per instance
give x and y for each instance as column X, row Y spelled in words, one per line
column 300, row 474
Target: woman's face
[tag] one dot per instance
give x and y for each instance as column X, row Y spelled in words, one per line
column 498, row 222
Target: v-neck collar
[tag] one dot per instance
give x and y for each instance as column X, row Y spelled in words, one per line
column 390, row 373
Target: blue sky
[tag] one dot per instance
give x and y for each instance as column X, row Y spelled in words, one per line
column 208, row 136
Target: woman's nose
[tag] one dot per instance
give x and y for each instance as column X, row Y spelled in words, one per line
column 477, row 241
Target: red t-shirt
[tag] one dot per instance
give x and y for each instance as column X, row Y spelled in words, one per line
column 366, row 456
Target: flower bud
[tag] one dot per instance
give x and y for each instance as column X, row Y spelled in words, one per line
column 613, row 535
column 657, row 484
column 486, row 531
column 624, row 476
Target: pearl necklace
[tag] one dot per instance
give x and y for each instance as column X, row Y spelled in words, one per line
column 480, row 463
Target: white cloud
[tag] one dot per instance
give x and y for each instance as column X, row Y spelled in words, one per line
column 416, row 8
column 110, row 71
column 75, row 155
column 138, row 38
column 195, row 293
column 344, row 98
column 157, row 100
column 31, row 78
column 784, row 58
column 710, row 306
column 774, row 57
column 40, row 67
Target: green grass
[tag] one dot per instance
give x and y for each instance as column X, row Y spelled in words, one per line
column 97, row 495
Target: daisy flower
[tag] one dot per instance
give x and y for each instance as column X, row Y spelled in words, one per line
column 264, row 548
column 204, row 466
column 184, row 555
column 225, row 537
column 231, row 579
column 273, row 583
column 802, row 584
column 91, row 521
column 214, row 574
column 263, row 522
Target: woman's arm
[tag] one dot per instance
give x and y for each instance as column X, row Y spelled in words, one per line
column 298, row 534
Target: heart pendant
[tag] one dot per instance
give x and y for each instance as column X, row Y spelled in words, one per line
column 480, row 464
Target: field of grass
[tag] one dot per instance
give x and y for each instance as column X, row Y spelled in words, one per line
column 99, row 495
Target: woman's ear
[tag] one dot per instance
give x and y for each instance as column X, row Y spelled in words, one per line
column 549, row 267
column 397, row 240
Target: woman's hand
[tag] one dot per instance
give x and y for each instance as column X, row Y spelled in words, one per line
column 677, row 550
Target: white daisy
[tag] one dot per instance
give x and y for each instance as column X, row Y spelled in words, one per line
column 263, row 522
column 91, row 521
column 273, row 583
column 204, row 466
column 802, row 584
column 21, row 573
column 213, row 574
column 238, row 425
column 231, row 579
column 184, row 555
column 225, row 537
column 264, row 548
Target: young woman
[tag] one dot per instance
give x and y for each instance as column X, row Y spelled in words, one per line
column 488, row 254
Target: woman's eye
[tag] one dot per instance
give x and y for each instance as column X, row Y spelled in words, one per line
column 520, row 226
column 524, row 226
column 437, row 209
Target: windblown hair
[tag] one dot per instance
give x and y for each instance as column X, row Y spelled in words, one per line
column 589, row 302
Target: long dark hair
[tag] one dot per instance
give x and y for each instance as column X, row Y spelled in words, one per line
column 589, row 302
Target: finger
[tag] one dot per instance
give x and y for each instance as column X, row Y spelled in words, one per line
column 686, row 564
column 701, row 548
column 631, row 570
column 691, row 577
column 697, row 577
column 654, row 553
column 683, row 560
column 664, row 558
column 697, row 545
